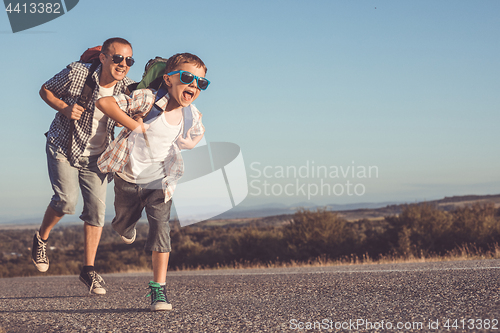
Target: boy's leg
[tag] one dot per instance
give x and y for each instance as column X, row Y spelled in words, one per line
column 160, row 265
column 158, row 293
column 128, row 207
column 158, row 242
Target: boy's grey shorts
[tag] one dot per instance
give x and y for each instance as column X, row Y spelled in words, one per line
column 130, row 200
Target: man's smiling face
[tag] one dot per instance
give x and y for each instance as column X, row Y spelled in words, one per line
column 111, row 72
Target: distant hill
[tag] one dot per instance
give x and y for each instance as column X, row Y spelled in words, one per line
column 348, row 212
column 279, row 214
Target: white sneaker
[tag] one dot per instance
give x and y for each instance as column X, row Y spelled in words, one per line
column 39, row 253
column 93, row 281
column 129, row 240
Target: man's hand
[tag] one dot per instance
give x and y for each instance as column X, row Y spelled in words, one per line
column 73, row 111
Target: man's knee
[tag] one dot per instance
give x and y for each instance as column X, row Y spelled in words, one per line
column 64, row 205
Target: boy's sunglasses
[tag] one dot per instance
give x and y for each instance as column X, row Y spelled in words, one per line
column 118, row 58
column 187, row 78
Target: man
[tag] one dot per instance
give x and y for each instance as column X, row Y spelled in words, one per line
column 75, row 140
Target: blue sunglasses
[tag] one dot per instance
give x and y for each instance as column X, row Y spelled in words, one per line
column 187, row 78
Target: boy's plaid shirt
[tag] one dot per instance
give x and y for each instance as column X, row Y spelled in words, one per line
column 117, row 155
column 68, row 85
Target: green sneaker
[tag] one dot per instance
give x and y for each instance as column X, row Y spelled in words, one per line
column 159, row 301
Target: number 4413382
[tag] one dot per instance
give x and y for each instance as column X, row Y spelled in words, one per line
column 33, row 8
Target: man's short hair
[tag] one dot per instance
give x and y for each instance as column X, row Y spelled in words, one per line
column 181, row 58
column 108, row 42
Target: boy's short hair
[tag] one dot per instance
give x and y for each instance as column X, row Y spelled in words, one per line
column 182, row 58
column 108, row 42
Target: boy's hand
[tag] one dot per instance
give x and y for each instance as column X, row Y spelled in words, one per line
column 73, row 111
column 188, row 142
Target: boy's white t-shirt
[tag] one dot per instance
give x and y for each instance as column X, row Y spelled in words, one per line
column 97, row 142
column 145, row 163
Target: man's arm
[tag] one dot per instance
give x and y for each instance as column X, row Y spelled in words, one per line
column 70, row 111
column 110, row 108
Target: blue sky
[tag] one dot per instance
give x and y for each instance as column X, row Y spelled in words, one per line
column 408, row 87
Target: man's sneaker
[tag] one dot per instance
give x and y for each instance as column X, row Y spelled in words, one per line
column 39, row 253
column 129, row 240
column 93, row 281
column 159, row 301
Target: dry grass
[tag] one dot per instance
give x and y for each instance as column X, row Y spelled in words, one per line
column 462, row 253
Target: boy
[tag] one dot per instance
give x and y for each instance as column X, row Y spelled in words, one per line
column 147, row 162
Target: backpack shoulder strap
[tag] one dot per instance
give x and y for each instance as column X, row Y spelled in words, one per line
column 89, row 86
column 188, row 120
column 83, row 101
column 155, row 110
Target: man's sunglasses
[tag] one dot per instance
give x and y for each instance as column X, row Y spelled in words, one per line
column 118, row 58
column 187, row 78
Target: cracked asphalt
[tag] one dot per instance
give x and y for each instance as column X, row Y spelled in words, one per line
column 413, row 297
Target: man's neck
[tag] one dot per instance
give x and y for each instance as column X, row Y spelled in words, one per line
column 106, row 81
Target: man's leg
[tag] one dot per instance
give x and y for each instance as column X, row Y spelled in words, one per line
column 93, row 186
column 64, row 180
column 50, row 219
column 92, row 238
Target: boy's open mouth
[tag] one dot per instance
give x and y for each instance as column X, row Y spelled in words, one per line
column 188, row 95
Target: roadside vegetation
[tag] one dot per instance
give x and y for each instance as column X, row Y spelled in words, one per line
column 420, row 233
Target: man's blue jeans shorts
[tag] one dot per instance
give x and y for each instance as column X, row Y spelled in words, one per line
column 130, row 200
column 66, row 180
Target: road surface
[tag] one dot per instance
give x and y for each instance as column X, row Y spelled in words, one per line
column 413, row 297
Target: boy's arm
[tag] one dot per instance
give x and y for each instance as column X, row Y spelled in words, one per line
column 194, row 134
column 109, row 107
column 70, row 111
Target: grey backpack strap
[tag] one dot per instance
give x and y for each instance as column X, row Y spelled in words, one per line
column 188, row 120
column 83, row 101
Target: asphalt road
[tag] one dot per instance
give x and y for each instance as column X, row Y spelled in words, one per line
column 418, row 297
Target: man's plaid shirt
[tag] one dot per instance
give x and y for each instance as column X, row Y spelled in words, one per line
column 68, row 85
column 117, row 155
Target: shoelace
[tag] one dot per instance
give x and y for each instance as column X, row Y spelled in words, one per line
column 96, row 281
column 41, row 251
column 156, row 294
